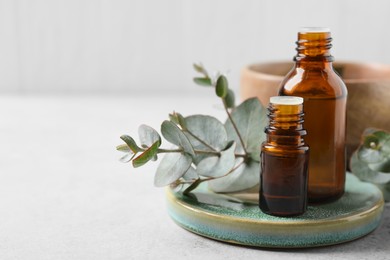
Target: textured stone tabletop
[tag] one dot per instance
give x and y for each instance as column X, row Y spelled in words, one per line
column 64, row 195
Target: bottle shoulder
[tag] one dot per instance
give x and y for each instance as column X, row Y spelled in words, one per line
column 313, row 82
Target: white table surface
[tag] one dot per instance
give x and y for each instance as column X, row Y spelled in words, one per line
column 64, row 195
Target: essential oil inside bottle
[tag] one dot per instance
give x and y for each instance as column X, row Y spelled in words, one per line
column 284, row 159
column 325, row 95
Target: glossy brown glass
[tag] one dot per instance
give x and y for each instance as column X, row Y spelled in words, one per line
column 284, row 163
column 325, row 95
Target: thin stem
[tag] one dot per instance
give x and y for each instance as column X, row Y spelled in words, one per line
column 234, row 126
column 170, row 151
column 197, row 182
column 229, row 172
column 192, row 186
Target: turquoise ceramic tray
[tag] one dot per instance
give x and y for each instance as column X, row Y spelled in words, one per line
column 236, row 218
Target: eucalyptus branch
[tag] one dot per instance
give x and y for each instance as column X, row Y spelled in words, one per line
column 198, row 152
column 184, row 164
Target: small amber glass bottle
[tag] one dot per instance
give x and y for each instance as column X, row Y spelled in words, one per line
column 284, row 159
column 325, row 95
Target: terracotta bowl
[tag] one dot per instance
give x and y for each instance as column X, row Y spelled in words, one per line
column 368, row 92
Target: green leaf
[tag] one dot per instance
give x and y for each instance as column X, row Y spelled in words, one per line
column 244, row 177
column 178, row 119
column 230, row 99
column 375, row 150
column 123, row 148
column 148, row 136
column 206, row 82
column 131, row 143
column 215, row 166
column 221, row 88
column 147, row 155
column 127, row 157
column 190, row 175
column 250, row 118
column 129, row 153
column 174, row 134
column 205, row 133
column 382, row 166
column 365, row 173
column 171, row 168
column 385, row 188
column 199, row 68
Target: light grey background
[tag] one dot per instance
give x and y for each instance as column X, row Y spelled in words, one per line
column 76, row 74
column 120, row 46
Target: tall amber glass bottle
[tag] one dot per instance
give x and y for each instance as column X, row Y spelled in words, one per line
column 325, row 97
column 284, row 159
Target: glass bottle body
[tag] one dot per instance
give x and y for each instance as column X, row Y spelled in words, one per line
column 325, row 95
column 284, row 164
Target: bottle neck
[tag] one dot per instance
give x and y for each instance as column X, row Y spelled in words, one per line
column 285, row 125
column 313, row 47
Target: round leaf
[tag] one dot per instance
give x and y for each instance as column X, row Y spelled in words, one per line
column 174, row 134
column 250, row 118
column 244, row 177
column 147, row 155
column 148, row 135
column 221, row 88
column 206, row 82
column 365, row 173
column 171, row 168
column 124, row 148
column 230, row 99
column 217, row 166
column 131, row 143
column 206, row 129
column 190, row 175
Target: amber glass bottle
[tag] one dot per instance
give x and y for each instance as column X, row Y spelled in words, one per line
column 284, row 159
column 325, row 95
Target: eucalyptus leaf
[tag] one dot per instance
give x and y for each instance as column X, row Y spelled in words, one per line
column 382, row 166
column 206, row 129
column 385, row 188
column 199, row 68
column 230, row 99
column 123, row 148
column 147, row 155
column 244, row 177
column 148, row 135
column 250, row 119
column 206, row 82
column 171, row 168
column 190, row 174
column 178, row 119
column 221, row 88
column 174, row 134
column 215, row 166
column 127, row 157
column 365, row 173
column 370, row 155
column 375, row 150
column 131, row 143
